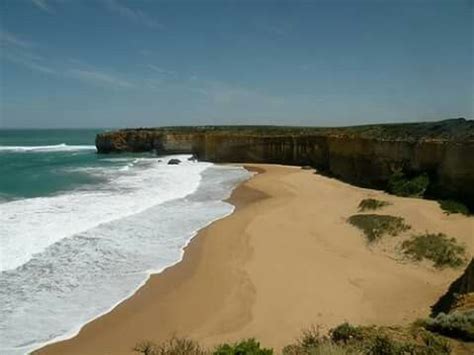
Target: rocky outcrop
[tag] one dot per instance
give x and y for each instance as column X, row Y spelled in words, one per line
column 460, row 295
column 366, row 155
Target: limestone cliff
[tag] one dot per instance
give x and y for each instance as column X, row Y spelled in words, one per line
column 364, row 155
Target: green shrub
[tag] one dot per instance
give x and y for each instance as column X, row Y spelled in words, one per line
column 375, row 226
column 443, row 251
column 345, row 333
column 383, row 345
column 346, row 339
column 245, row 347
column 450, row 206
column 434, row 345
column 174, row 346
column 311, row 342
column 324, row 348
column 457, row 325
column 400, row 185
column 372, row 204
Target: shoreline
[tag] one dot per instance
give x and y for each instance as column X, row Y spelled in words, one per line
column 150, row 273
column 204, row 315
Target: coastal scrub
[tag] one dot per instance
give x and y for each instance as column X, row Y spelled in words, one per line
column 401, row 185
column 457, row 324
column 440, row 249
column 375, row 226
column 372, row 204
column 450, row 207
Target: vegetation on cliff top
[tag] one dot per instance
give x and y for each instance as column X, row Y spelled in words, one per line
column 458, row 129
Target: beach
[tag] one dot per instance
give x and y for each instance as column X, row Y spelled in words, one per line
column 285, row 259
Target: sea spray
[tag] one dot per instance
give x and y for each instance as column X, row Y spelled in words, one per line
column 72, row 256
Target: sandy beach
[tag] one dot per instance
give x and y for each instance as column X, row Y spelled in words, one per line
column 286, row 259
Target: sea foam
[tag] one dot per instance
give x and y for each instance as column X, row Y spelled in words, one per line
column 72, row 257
column 63, row 147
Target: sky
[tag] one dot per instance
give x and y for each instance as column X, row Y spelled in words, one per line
column 135, row 63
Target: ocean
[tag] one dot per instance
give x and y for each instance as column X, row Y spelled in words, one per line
column 81, row 232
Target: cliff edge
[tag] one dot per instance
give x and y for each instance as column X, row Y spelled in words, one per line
column 363, row 155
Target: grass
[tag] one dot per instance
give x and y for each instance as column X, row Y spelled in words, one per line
column 450, row 207
column 371, row 204
column 173, row 346
column 375, row 226
column 348, row 339
column 458, row 325
column 345, row 339
column 183, row 346
column 440, row 249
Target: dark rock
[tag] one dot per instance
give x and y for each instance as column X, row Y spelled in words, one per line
column 307, row 167
column 174, row 162
column 464, row 285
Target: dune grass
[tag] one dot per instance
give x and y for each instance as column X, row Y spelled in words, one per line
column 371, row 204
column 440, row 249
column 375, row 226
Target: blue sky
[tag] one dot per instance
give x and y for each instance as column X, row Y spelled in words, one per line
column 119, row 63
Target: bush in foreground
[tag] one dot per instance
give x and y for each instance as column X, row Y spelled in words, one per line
column 458, row 325
column 174, row 346
column 245, row 347
column 183, row 346
column 400, row 185
column 347, row 339
column 440, row 249
column 450, row 207
column 371, row 204
column 375, row 226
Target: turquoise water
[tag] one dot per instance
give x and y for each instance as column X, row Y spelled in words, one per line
column 80, row 232
column 41, row 162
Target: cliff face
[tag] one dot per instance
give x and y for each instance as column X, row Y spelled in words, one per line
column 366, row 159
column 460, row 295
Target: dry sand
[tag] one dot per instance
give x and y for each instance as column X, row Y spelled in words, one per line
column 286, row 259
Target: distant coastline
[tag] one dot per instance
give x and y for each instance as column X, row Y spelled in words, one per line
column 366, row 156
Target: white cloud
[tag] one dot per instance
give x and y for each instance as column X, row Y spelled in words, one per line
column 7, row 38
column 42, row 5
column 99, row 78
column 160, row 70
column 29, row 60
column 137, row 16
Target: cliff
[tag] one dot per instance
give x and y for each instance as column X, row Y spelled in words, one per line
column 363, row 155
column 460, row 295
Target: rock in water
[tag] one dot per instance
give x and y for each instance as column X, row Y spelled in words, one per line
column 174, row 162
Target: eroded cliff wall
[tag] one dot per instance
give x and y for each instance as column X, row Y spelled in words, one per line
column 362, row 160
